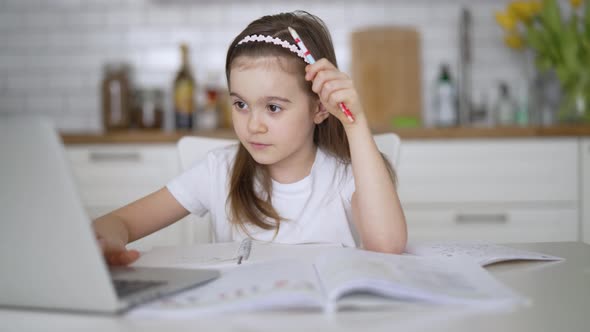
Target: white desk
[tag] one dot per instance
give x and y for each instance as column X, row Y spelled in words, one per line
column 560, row 294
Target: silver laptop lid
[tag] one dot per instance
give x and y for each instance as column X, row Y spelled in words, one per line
column 48, row 252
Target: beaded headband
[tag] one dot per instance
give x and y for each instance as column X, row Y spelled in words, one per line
column 276, row 41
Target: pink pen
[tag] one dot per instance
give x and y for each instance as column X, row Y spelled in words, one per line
column 311, row 61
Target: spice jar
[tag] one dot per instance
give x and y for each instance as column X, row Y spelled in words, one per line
column 149, row 110
column 116, row 96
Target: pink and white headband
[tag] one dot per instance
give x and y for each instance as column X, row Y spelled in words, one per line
column 276, row 41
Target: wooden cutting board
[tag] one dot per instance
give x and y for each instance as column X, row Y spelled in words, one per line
column 386, row 71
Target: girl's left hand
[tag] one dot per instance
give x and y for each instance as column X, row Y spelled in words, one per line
column 334, row 87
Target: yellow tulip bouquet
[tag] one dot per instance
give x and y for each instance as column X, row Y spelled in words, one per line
column 559, row 43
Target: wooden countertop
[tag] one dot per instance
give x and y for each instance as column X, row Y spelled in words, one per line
column 157, row 136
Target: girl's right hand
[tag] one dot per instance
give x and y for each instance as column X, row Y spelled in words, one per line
column 115, row 252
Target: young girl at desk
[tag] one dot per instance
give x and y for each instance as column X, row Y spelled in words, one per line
column 303, row 172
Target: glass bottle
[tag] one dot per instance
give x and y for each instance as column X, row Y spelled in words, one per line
column 505, row 107
column 225, row 109
column 522, row 112
column 116, row 96
column 208, row 117
column 445, row 102
column 149, row 110
column 184, row 92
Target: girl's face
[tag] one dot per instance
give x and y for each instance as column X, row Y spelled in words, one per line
column 272, row 115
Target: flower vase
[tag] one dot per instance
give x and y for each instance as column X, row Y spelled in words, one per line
column 546, row 96
column 575, row 103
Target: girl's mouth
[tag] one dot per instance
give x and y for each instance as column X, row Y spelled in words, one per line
column 259, row 146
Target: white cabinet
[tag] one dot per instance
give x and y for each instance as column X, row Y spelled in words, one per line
column 585, row 190
column 111, row 175
column 500, row 190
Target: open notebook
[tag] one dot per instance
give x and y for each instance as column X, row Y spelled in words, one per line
column 338, row 279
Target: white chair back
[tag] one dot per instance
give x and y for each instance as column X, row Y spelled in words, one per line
column 389, row 144
column 194, row 148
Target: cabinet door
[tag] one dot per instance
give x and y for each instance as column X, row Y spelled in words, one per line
column 502, row 190
column 115, row 174
column 499, row 224
column 111, row 176
column 585, row 199
column 489, row 170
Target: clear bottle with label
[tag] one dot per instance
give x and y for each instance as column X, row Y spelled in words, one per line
column 445, row 99
column 184, row 92
column 149, row 110
column 116, row 96
column 522, row 115
column 505, row 107
column 209, row 117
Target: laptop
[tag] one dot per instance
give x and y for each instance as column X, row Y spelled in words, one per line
column 49, row 256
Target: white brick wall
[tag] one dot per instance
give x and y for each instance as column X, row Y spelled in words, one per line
column 52, row 51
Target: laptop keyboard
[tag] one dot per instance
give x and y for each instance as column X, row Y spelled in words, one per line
column 125, row 287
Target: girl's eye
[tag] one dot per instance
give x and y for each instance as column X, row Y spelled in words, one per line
column 274, row 108
column 240, row 105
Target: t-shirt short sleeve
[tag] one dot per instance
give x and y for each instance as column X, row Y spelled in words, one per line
column 192, row 187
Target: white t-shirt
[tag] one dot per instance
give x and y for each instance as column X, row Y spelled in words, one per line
column 317, row 208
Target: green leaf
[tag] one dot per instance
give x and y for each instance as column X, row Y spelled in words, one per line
column 551, row 12
column 551, row 28
column 534, row 39
column 570, row 45
column 538, row 40
column 570, row 56
column 543, row 63
column 561, row 74
column 586, row 19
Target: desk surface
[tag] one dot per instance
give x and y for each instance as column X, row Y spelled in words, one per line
column 559, row 294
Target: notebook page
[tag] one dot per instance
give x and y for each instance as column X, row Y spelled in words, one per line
column 427, row 279
column 483, row 253
column 280, row 285
column 224, row 255
column 210, row 255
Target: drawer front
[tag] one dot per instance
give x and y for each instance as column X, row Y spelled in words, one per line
column 515, row 170
column 500, row 225
column 585, row 199
column 116, row 175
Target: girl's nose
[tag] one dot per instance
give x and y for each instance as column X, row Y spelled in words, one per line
column 255, row 123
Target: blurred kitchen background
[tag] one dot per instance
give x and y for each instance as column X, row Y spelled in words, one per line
column 494, row 146
column 57, row 55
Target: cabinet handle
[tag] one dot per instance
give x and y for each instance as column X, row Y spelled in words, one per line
column 97, row 157
column 499, row 218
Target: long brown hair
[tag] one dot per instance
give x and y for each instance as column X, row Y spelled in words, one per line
column 249, row 205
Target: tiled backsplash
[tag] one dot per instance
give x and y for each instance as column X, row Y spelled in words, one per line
column 52, row 51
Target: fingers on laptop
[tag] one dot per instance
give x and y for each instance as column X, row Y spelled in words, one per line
column 122, row 258
column 101, row 243
column 116, row 253
column 109, row 247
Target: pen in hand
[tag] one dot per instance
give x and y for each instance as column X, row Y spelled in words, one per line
column 311, row 60
column 244, row 250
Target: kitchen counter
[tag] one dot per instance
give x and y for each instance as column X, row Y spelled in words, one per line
column 157, row 136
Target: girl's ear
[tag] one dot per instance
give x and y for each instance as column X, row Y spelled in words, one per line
column 321, row 114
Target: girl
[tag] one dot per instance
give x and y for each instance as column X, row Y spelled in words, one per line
column 302, row 171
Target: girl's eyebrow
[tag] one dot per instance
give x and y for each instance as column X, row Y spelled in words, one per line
column 284, row 100
column 266, row 98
